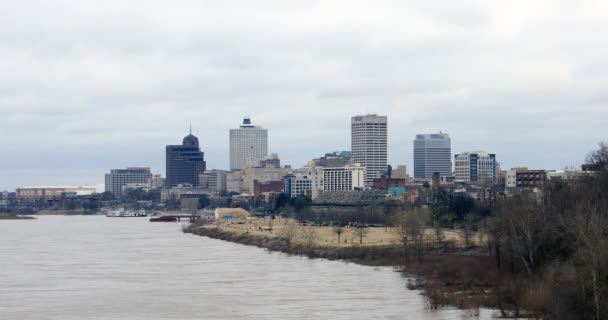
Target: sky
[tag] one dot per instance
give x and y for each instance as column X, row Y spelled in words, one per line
column 87, row 86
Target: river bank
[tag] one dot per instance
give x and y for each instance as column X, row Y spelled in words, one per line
column 15, row 217
column 464, row 277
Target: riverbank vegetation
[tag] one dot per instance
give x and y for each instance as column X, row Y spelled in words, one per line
column 540, row 254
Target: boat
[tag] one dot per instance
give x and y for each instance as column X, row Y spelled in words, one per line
column 164, row 219
column 122, row 213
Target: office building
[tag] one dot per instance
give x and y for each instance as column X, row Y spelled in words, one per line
column 345, row 178
column 248, row 145
column 400, row 172
column 432, row 153
column 214, row 181
column 271, row 162
column 52, row 192
column 117, row 179
column 334, row 159
column 475, row 167
column 369, row 145
column 184, row 162
column 307, row 181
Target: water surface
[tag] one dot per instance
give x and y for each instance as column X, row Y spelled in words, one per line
column 60, row 267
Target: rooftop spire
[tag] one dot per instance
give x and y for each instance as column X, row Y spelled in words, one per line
column 190, row 127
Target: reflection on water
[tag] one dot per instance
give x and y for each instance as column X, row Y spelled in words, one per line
column 60, row 267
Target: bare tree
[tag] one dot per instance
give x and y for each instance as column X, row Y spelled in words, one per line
column 416, row 223
column 310, row 239
column 599, row 156
column 360, row 230
column 270, row 221
column 467, row 227
column 401, row 230
column 289, row 232
column 410, row 226
column 338, row 230
column 527, row 228
column 590, row 226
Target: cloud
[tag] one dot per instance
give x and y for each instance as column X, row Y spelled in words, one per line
column 88, row 86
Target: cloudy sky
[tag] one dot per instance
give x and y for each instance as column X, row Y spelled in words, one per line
column 86, row 86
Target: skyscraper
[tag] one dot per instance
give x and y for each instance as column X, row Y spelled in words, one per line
column 369, row 145
column 184, row 162
column 432, row 153
column 248, row 145
column 119, row 178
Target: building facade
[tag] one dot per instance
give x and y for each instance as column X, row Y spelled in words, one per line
column 184, row 163
column 531, row 178
column 248, row 145
column 345, row 178
column 52, row 193
column 432, row 153
column 334, row 159
column 307, row 181
column 369, row 145
column 271, row 162
column 214, row 181
column 117, row 179
column 475, row 167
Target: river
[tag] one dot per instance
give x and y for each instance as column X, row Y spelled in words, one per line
column 93, row 267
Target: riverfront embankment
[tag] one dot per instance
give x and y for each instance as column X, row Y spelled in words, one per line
column 448, row 272
column 15, row 217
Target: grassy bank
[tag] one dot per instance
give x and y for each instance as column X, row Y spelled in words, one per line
column 447, row 274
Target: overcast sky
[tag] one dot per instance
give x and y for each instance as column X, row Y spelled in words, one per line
column 86, row 86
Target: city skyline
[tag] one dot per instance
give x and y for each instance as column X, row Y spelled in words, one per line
column 306, row 158
column 103, row 88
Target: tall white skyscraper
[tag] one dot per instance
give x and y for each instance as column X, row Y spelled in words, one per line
column 432, row 153
column 248, row 145
column 369, row 145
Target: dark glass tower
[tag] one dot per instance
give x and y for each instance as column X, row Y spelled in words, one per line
column 185, row 162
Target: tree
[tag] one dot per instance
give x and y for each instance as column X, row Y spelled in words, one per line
column 598, row 157
column 310, row 239
column 203, row 201
column 590, row 228
column 338, row 230
column 401, row 229
column 460, row 205
column 360, row 230
column 415, row 226
column 300, row 203
column 107, row 196
column 467, row 227
column 527, row 227
column 282, row 200
column 289, row 233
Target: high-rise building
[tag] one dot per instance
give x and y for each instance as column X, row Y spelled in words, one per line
column 432, row 153
column 369, row 145
column 345, row 178
column 248, row 145
column 117, row 179
column 184, row 162
column 475, row 167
